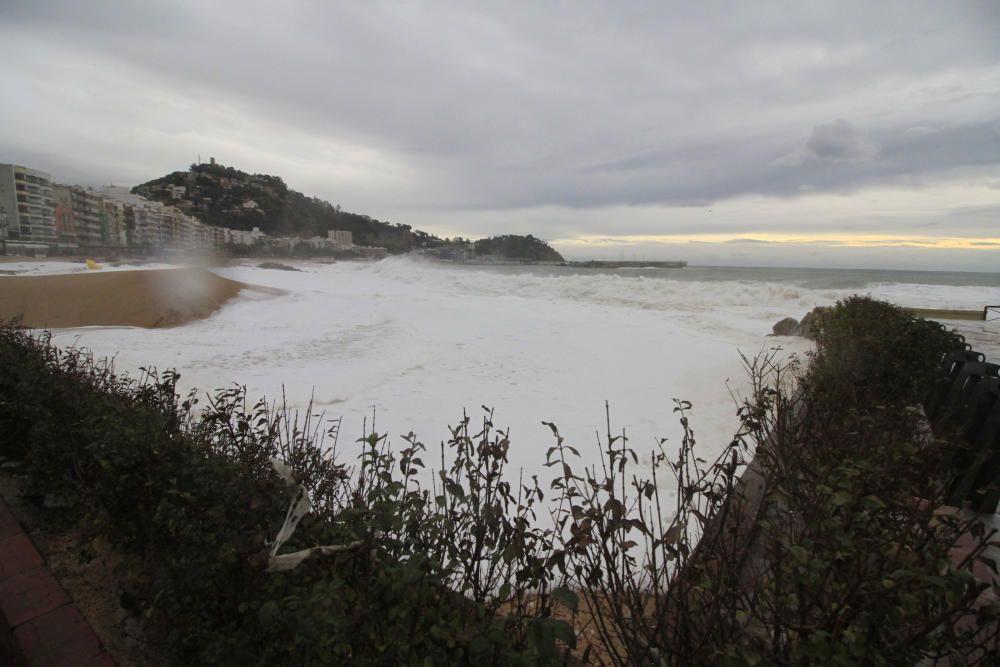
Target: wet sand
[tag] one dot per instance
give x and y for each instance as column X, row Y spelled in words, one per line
column 147, row 298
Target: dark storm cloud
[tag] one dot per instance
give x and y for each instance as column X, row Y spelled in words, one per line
column 514, row 105
column 841, row 142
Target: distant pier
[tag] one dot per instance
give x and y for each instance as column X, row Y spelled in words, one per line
column 988, row 313
column 626, row 264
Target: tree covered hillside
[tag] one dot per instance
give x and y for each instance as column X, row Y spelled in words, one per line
column 227, row 197
column 518, row 247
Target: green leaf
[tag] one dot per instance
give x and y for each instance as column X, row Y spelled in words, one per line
column 566, row 598
column 504, row 592
column 564, row 632
column 269, row 613
column 841, row 498
column 874, row 502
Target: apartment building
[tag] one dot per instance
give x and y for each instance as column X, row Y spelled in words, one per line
column 147, row 232
column 37, row 216
column 151, row 224
column 65, row 221
column 143, row 218
column 114, row 224
column 27, row 207
column 243, row 237
column 86, row 218
column 340, row 238
column 88, row 208
column 217, row 235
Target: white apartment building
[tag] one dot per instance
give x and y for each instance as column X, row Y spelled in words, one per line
column 340, row 238
column 27, row 207
column 243, row 237
column 155, row 225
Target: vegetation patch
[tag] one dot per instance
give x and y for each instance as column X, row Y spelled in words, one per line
column 517, row 247
column 815, row 538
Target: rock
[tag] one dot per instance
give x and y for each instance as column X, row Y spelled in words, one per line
column 807, row 327
column 276, row 265
column 785, row 327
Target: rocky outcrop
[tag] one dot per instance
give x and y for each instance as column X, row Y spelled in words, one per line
column 806, row 328
column 786, row 327
column 809, row 323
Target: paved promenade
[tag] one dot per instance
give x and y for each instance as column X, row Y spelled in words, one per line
column 39, row 624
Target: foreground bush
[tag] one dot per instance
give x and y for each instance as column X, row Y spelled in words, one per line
column 827, row 549
column 196, row 498
column 832, row 547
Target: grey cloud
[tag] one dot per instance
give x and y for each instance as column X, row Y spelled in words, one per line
column 988, row 212
column 841, row 142
column 512, row 106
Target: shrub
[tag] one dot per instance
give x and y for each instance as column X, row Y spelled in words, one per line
column 815, row 537
column 197, row 499
column 871, row 351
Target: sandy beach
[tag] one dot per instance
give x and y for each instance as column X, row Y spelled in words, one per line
column 149, row 298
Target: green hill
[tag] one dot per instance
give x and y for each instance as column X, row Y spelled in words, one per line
column 518, row 247
column 227, row 197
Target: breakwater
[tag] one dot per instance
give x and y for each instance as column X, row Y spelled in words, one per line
column 626, row 264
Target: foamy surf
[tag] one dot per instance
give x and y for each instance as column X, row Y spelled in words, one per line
column 419, row 343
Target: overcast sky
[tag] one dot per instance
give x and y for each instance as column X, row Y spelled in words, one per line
column 779, row 133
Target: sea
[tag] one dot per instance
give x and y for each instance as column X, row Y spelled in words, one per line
column 412, row 347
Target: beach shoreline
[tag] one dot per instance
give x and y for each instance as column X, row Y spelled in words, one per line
column 147, row 298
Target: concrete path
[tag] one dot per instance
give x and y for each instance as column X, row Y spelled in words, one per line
column 39, row 624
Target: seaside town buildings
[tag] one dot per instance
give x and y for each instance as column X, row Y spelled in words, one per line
column 28, row 222
column 39, row 217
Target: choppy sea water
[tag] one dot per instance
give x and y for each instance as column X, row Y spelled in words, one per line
column 808, row 278
column 419, row 343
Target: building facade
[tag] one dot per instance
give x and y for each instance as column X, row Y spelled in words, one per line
column 114, row 223
column 243, row 237
column 151, row 225
column 340, row 238
column 28, row 208
column 86, row 218
column 65, row 221
column 79, row 217
column 88, row 208
column 38, row 217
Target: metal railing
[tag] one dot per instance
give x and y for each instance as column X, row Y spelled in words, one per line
column 965, row 404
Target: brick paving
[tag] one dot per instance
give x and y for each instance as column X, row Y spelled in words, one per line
column 39, row 624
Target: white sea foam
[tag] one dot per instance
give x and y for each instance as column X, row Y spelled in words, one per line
column 57, row 267
column 421, row 342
